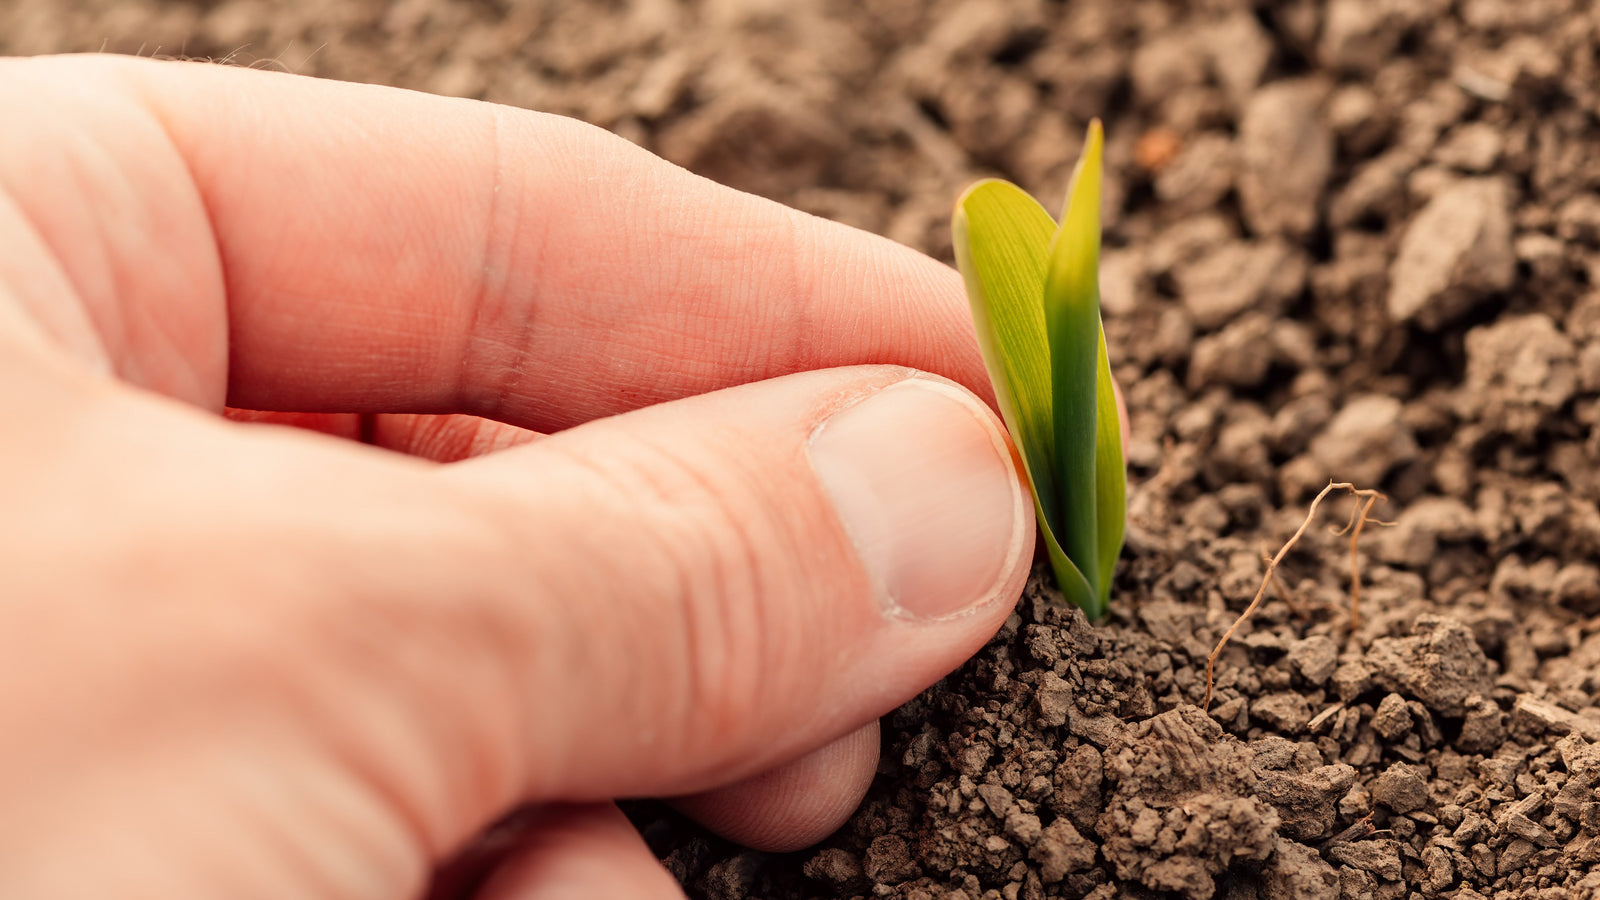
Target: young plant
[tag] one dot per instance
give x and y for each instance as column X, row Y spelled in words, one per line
column 1035, row 292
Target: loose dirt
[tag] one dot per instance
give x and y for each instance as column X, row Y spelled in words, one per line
column 1352, row 240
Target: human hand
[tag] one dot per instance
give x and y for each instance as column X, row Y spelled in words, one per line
column 243, row 660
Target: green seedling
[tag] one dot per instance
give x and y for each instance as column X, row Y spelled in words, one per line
column 1035, row 292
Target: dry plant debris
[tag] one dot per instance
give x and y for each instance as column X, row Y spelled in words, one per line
column 1366, row 498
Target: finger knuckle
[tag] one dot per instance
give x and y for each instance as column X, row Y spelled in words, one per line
column 711, row 571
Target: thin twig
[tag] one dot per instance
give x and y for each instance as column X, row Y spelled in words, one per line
column 1358, row 520
column 1366, row 498
column 1362, row 828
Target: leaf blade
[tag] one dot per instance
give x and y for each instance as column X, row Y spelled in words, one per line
column 1111, row 474
column 1002, row 238
column 1072, row 314
column 1074, row 587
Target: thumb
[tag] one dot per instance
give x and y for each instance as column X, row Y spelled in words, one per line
column 747, row 575
column 335, row 666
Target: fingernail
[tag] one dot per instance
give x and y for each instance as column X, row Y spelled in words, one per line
column 924, row 484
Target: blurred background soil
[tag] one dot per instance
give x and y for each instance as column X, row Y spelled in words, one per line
column 1351, row 239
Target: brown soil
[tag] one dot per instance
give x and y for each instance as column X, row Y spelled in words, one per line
column 1354, row 240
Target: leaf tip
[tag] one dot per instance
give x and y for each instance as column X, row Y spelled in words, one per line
column 982, row 185
column 1084, row 186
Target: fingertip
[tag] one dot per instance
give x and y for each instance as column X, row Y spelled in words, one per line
column 797, row 804
column 931, row 493
column 580, row 851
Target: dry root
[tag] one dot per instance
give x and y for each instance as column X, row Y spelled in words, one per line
column 1359, row 516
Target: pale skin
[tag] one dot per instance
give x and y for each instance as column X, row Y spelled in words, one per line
column 562, row 521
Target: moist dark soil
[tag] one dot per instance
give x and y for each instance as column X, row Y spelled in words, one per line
column 1355, row 240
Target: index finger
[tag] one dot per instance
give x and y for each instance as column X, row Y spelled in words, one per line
column 383, row 250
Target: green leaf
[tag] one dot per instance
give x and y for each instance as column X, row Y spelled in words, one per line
column 1072, row 317
column 1110, row 474
column 1074, row 587
column 1002, row 240
column 1035, row 296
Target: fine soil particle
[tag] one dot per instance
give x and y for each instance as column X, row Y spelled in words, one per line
column 1353, row 240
